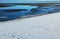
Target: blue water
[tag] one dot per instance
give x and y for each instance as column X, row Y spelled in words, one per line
column 31, row 10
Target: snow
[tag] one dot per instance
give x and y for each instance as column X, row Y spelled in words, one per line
column 40, row 27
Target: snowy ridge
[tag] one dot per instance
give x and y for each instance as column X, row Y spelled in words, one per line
column 40, row 27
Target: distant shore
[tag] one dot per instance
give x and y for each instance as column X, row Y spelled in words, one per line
column 33, row 4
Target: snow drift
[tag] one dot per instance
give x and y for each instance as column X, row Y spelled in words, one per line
column 40, row 27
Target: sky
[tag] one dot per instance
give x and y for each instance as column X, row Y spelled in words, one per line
column 22, row 1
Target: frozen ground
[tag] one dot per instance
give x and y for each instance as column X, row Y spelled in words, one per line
column 40, row 27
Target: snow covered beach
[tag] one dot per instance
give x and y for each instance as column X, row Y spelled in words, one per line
column 40, row 27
